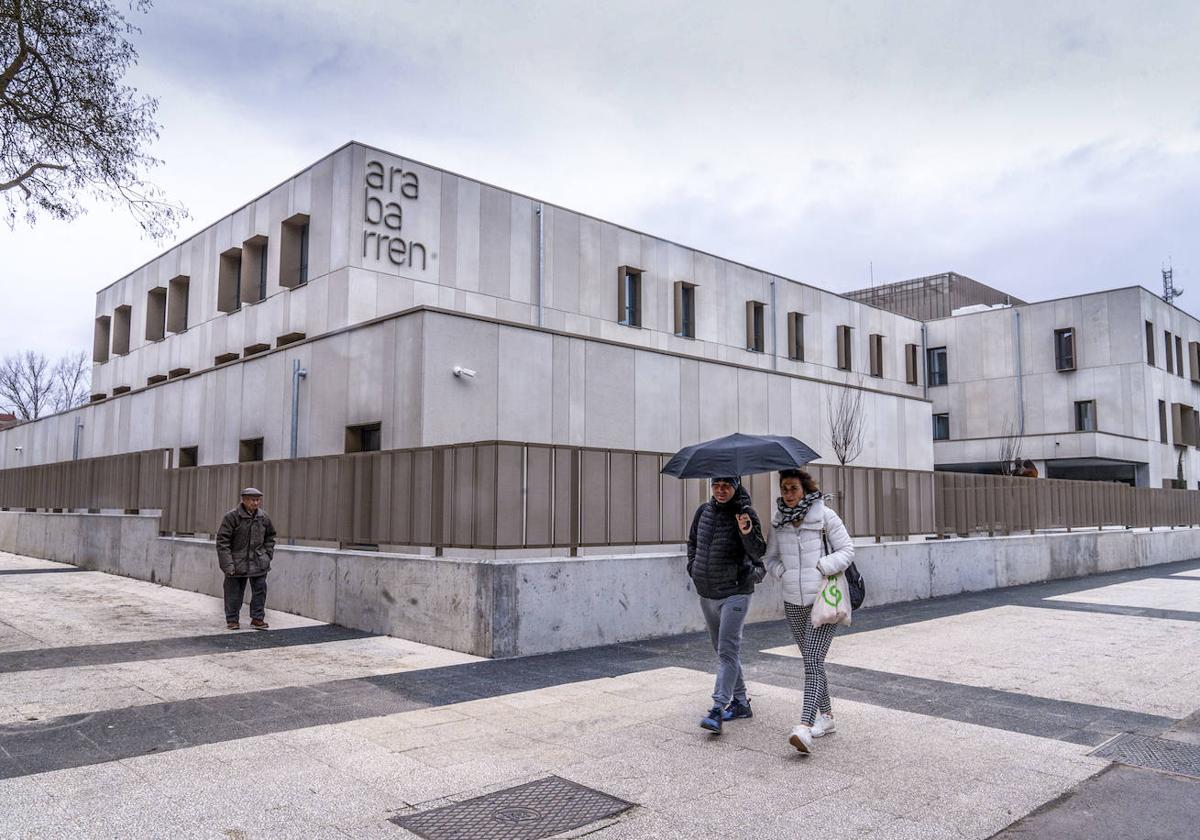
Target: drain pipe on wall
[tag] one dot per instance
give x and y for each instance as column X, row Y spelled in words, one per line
column 78, row 429
column 541, row 267
column 298, row 373
column 925, row 359
column 1020, row 383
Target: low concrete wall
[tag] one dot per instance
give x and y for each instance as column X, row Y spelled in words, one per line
column 513, row 607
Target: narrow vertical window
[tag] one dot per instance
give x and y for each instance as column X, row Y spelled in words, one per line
column 941, row 427
column 1162, row 421
column 100, row 341
column 845, row 358
column 120, row 329
column 293, row 251
column 229, row 281
column 254, row 269
column 629, row 296
column 755, row 326
column 685, row 309
column 876, row 355
column 1194, row 360
column 1178, row 356
column 910, row 364
column 1085, row 416
column 178, row 291
column 1064, row 349
column 796, row 336
column 156, row 314
column 935, row 366
column 1170, row 354
column 1150, row 343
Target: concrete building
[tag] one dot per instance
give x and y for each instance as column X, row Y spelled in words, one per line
column 428, row 308
column 1100, row 386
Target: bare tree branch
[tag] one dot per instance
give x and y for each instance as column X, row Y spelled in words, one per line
column 1010, row 448
column 847, row 422
column 72, row 379
column 30, row 387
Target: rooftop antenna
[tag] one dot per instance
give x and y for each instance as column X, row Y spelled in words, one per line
column 1169, row 291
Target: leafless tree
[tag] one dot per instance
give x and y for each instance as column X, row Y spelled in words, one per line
column 27, row 384
column 847, row 422
column 1010, row 448
column 69, row 126
column 72, row 378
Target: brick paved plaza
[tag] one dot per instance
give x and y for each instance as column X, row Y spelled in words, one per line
column 126, row 710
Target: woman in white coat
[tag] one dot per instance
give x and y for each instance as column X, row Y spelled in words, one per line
column 808, row 542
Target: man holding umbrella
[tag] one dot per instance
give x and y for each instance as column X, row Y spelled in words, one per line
column 725, row 547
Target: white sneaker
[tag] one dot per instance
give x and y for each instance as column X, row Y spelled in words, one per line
column 823, row 726
column 802, row 739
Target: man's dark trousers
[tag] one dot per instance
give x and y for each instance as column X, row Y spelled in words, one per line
column 235, row 592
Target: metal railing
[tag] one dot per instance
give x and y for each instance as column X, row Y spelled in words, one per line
column 502, row 495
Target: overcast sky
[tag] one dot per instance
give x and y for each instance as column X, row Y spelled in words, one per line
column 1042, row 148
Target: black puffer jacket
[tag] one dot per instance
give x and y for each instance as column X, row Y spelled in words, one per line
column 723, row 561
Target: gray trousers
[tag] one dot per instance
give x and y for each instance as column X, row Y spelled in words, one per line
column 725, row 617
column 235, row 593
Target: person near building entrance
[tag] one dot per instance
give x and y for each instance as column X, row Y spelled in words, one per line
column 808, row 542
column 245, row 547
column 725, row 547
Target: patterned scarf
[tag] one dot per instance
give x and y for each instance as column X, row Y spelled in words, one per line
column 789, row 515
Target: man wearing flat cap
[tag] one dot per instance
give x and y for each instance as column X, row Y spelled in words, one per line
column 245, row 546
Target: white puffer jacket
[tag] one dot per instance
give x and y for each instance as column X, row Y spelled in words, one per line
column 795, row 554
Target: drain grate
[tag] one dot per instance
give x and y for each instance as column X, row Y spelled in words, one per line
column 1155, row 753
column 526, row 812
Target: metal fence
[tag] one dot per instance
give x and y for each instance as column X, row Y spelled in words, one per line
column 500, row 495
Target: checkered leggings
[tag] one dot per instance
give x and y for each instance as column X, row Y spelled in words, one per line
column 814, row 645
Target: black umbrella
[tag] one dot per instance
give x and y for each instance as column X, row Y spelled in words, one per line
column 739, row 454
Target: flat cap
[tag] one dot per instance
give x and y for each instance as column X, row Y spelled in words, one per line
column 251, row 491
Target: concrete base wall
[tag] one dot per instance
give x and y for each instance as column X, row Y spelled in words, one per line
column 519, row 606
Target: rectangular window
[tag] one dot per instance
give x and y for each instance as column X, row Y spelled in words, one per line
column 795, row 345
column 293, row 251
column 189, row 456
column 120, row 330
column 1194, row 360
column 1170, row 352
column 755, row 326
column 1185, row 425
column 941, row 427
column 876, row 346
column 156, row 314
column 177, row 303
column 254, row 269
column 845, row 354
column 1085, row 416
column 910, row 364
column 1178, row 356
column 629, row 296
column 1064, row 349
column 101, row 339
column 1162, row 421
column 1150, row 343
column 935, row 366
column 229, row 281
column 685, row 309
column 365, row 438
column 250, row 450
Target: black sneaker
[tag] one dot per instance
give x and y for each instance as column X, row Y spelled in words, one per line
column 712, row 720
column 737, row 709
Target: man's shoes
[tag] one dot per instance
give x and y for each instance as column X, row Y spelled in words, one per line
column 738, row 709
column 712, row 721
column 259, row 624
column 823, row 725
column 232, row 625
column 802, row 739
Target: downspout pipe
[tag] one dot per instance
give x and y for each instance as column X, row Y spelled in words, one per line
column 78, row 429
column 298, row 373
column 541, row 266
column 925, row 360
column 1017, row 362
column 774, row 330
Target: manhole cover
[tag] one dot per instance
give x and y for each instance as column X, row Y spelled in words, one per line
column 1155, row 753
column 526, row 812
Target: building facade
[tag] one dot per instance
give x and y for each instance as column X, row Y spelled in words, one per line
column 427, row 308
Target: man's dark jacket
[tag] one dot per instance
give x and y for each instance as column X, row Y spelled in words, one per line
column 723, row 561
column 245, row 543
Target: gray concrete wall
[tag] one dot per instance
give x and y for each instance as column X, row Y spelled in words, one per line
column 513, row 607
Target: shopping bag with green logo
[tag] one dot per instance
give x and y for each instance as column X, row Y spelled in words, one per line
column 833, row 602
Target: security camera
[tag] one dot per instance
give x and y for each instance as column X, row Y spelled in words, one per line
column 462, row 371
column 18, row 448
